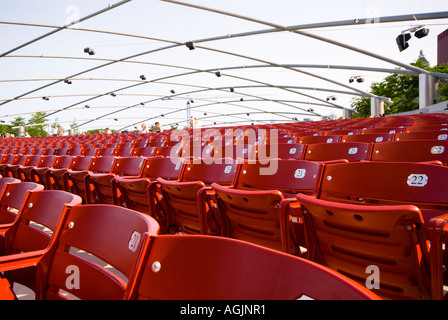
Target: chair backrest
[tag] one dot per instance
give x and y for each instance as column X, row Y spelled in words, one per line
column 122, row 152
column 181, row 198
column 350, row 151
column 222, row 171
column 417, row 135
column 143, row 151
column 7, row 158
column 387, row 183
column 128, row 166
column 358, row 239
column 250, row 210
column 104, row 152
column 46, row 161
column 369, row 137
column 62, row 162
column 35, row 226
column 168, row 151
column 112, row 235
column 384, row 129
column 319, row 139
column 411, row 151
column 12, row 196
column 80, row 163
column 102, row 164
column 217, row 268
column 280, row 150
column 164, row 167
column 286, row 175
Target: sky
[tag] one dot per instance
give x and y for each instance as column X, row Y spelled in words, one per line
column 150, row 43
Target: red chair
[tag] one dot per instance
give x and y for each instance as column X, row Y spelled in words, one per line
column 417, row 135
column 250, row 208
column 382, row 184
column 25, row 240
column 4, row 161
column 181, row 197
column 12, row 197
column 353, row 238
column 411, row 151
column 369, row 137
column 135, row 191
column 98, row 184
column 319, row 139
column 348, row 151
column 196, row 267
column 27, row 172
column 10, row 170
column 122, row 152
column 102, row 152
column 294, row 151
column 102, row 272
column 74, row 178
column 53, row 175
column 143, row 151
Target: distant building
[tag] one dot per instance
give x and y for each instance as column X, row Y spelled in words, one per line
column 442, row 47
column 422, row 57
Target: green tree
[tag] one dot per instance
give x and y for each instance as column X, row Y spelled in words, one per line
column 402, row 89
column 38, row 130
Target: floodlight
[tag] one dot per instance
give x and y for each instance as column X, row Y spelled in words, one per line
column 89, row 51
column 423, row 32
column 402, row 41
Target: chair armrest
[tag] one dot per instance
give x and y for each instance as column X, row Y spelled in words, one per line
column 436, row 228
column 20, row 260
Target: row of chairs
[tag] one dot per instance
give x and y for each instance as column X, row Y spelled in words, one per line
column 257, row 208
column 45, row 247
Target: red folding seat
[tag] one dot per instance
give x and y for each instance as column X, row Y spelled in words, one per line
column 282, row 151
column 25, row 240
column 48, row 151
column 122, row 152
column 143, row 151
column 55, row 176
column 26, row 172
column 181, row 198
column 348, row 151
column 357, row 240
column 73, row 150
column 197, row 267
column 4, row 161
column 11, row 169
column 417, row 135
column 369, row 137
column 79, row 253
column 101, row 152
column 87, row 151
column 384, row 129
column 12, row 198
column 135, row 191
column 170, row 151
column 98, row 184
column 74, row 179
column 40, row 174
column 411, row 151
column 381, row 188
column 319, row 139
column 250, row 207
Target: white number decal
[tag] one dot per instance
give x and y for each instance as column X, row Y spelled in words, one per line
column 417, row 180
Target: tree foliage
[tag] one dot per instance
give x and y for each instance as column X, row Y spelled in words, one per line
column 403, row 89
